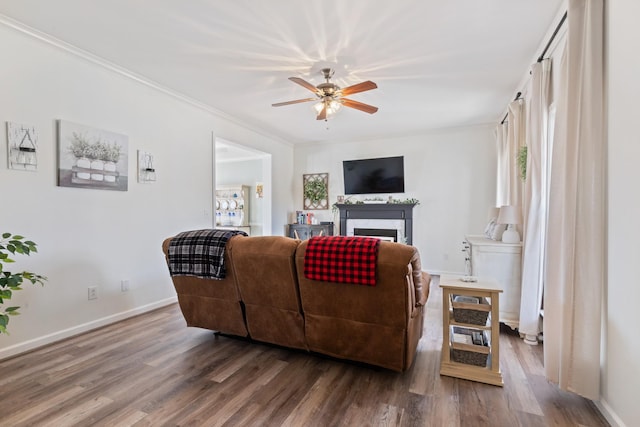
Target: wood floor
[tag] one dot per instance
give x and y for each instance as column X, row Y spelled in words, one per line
column 152, row 370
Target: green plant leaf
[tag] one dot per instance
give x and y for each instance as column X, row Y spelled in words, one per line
column 11, row 282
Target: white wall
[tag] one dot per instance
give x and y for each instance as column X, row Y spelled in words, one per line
column 452, row 172
column 96, row 237
column 621, row 376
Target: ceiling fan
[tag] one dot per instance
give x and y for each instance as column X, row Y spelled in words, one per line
column 330, row 96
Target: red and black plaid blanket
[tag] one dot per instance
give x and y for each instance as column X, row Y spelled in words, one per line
column 342, row 259
column 200, row 253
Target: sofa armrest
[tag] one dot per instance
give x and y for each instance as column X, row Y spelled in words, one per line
column 421, row 281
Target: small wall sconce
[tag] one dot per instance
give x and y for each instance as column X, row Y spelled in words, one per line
column 22, row 143
column 146, row 170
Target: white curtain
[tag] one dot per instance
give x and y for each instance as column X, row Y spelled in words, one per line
column 575, row 258
column 502, row 186
column 534, row 201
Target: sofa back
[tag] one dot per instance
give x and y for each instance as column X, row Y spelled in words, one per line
column 210, row 304
column 266, row 276
column 379, row 324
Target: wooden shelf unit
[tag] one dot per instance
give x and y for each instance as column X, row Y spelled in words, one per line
column 490, row 290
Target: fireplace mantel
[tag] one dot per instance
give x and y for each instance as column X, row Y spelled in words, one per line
column 378, row 211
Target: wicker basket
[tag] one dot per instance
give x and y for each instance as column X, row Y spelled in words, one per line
column 469, row 354
column 471, row 313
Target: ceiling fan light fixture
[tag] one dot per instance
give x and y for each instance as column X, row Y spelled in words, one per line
column 332, row 105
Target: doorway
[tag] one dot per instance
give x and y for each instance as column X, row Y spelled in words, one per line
column 237, row 166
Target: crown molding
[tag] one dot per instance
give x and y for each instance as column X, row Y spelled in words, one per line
column 104, row 63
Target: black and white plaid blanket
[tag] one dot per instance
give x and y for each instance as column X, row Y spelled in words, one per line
column 200, row 253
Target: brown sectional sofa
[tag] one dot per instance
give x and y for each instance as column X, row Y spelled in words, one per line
column 266, row 296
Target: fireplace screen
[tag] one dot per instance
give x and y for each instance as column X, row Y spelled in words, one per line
column 380, row 233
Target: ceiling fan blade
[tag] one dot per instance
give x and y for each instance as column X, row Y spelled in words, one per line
column 304, row 84
column 360, row 87
column 323, row 114
column 359, row 106
column 297, row 101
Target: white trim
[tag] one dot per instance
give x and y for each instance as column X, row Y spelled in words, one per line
column 606, row 411
column 23, row 347
column 445, row 273
column 90, row 57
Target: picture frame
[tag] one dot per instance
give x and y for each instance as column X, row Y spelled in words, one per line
column 91, row 158
column 315, row 191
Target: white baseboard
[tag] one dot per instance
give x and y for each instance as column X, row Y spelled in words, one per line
column 445, row 273
column 606, row 411
column 23, row 347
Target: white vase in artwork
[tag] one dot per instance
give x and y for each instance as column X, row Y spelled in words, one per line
column 110, row 178
column 83, row 175
column 97, row 165
column 109, row 166
column 97, row 177
column 83, row 162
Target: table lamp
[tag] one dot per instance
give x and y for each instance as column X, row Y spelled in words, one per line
column 510, row 215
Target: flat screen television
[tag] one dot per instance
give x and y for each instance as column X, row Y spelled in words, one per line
column 374, row 176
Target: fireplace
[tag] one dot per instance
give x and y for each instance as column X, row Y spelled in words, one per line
column 396, row 217
column 379, row 233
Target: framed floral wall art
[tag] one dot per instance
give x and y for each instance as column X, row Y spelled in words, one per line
column 92, row 158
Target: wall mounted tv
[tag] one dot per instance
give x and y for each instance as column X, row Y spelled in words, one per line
column 373, row 176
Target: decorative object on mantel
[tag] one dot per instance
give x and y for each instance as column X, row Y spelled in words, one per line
column 146, row 170
column 510, row 215
column 315, row 191
column 521, row 158
column 10, row 282
column 390, row 201
column 92, row 158
column 22, row 145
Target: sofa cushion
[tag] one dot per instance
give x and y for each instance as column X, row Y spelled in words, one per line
column 266, row 274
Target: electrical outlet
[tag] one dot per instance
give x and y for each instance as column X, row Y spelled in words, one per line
column 93, row 292
column 124, row 285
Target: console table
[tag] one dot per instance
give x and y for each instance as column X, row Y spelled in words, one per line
column 306, row 231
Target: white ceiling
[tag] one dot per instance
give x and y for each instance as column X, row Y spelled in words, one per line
column 437, row 63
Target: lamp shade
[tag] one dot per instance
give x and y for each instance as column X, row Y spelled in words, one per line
column 509, row 215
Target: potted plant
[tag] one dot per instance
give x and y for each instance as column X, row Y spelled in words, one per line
column 111, row 155
column 10, row 282
column 79, row 148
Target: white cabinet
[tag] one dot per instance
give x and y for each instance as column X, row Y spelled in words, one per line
column 502, row 262
column 232, row 207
